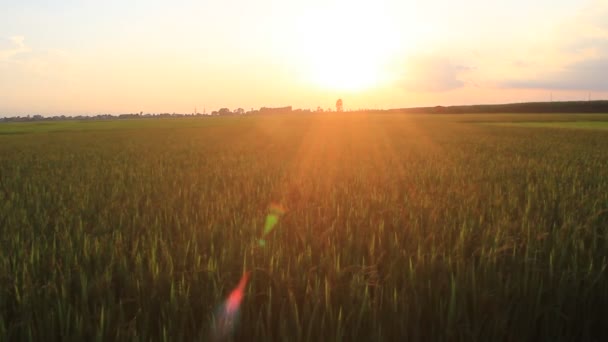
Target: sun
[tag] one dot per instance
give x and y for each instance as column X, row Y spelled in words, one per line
column 346, row 46
column 345, row 71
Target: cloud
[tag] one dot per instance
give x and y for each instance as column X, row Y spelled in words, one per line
column 583, row 47
column 587, row 31
column 595, row 14
column 589, row 74
column 15, row 46
column 432, row 74
column 18, row 58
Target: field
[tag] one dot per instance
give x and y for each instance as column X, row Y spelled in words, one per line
column 558, row 124
column 396, row 227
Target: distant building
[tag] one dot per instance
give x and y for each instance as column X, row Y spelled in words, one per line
column 279, row 110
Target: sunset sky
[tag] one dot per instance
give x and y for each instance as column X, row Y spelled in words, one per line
column 91, row 57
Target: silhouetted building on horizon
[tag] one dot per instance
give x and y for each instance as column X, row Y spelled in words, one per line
column 278, row 110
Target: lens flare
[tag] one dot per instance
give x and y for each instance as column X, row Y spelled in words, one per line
column 275, row 212
column 228, row 312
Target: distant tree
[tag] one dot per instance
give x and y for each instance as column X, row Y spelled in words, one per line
column 339, row 107
column 319, row 109
column 224, row 111
column 239, row 111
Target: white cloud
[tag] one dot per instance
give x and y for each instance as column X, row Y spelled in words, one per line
column 13, row 46
column 582, row 47
column 587, row 74
column 432, row 74
column 20, row 59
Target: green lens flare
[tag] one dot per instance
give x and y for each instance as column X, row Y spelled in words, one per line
column 271, row 221
column 276, row 210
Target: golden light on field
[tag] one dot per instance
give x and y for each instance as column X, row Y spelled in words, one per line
column 346, row 46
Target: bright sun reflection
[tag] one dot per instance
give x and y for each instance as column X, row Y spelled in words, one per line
column 347, row 46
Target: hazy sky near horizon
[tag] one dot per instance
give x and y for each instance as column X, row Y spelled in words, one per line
column 91, row 57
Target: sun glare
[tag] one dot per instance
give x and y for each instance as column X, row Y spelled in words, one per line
column 346, row 47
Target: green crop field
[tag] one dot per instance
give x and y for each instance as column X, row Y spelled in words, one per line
column 558, row 124
column 395, row 228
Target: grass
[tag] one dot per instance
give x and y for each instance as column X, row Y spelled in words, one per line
column 397, row 227
column 73, row 126
column 558, row 124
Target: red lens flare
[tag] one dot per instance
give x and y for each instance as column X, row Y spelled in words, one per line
column 228, row 313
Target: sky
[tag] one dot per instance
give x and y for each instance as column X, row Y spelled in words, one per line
column 126, row 56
